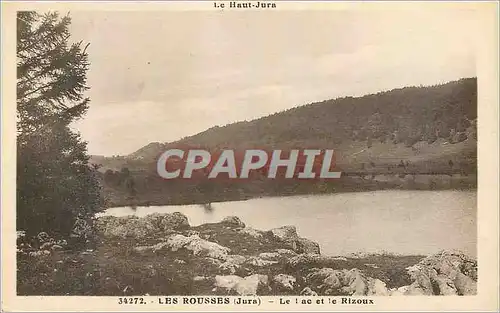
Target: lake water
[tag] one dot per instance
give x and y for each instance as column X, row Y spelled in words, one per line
column 404, row 222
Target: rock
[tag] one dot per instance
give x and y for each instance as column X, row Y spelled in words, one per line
column 465, row 285
column 169, row 221
column 269, row 255
column 445, row 273
column 288, row 234
column 179, row 261
column 286, row 252
column 198, row 246
column 255, row 261
column 285, row 233
column 252, row 232
column 233, row 221
column 247, row 286
column 195, row 244
column 227, row 282
column 284, row 282
column 415, row 290
column 398, row 291
column 327, row 281
column 232, row 263
column 445, row 285
column 305, row 260
column 146, row 227
column 355, row 283
column 251, row 284
column 307, row 246
column 376, row 287
column 308, row 292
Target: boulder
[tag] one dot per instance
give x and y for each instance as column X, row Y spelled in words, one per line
column 288, row 235
column 233, row 221
column 354, row 282
column 327, row 281
column 307, row 246
column 195, row 244
column 283, row 282
column 248, row 286
column 415, row 290
column 140, row 228
column 445, row 273
column 465, row 285
column 198, row 246
column 310, row 260
column 232, row 263
column 376, row 287
column 285, row 233
column 171, row 221
column 445, row 285
column 227, row 282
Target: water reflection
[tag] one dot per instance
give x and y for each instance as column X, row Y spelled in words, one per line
column 208, row 207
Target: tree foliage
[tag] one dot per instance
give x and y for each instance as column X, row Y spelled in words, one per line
column 55, row 182
column 405, row 115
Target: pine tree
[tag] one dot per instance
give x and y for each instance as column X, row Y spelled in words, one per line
column 55, row 183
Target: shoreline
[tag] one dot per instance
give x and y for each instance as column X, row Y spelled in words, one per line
column 148, row 203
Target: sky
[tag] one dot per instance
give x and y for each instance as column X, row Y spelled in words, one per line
column 158, row 76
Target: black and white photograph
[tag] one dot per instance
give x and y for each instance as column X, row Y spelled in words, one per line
column 244, row 150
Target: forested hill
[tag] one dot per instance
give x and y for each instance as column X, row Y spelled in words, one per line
column 380, row 140
column 402, row 117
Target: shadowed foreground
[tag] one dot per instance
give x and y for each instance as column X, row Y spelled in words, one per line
column 161, row 254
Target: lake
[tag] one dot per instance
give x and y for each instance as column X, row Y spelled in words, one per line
column 403, row 222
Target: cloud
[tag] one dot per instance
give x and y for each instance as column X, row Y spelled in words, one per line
column 159, row 76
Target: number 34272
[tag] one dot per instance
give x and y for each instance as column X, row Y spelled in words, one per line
column 131, row 301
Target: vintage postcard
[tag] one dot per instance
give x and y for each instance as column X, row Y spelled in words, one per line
column 250, row 156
